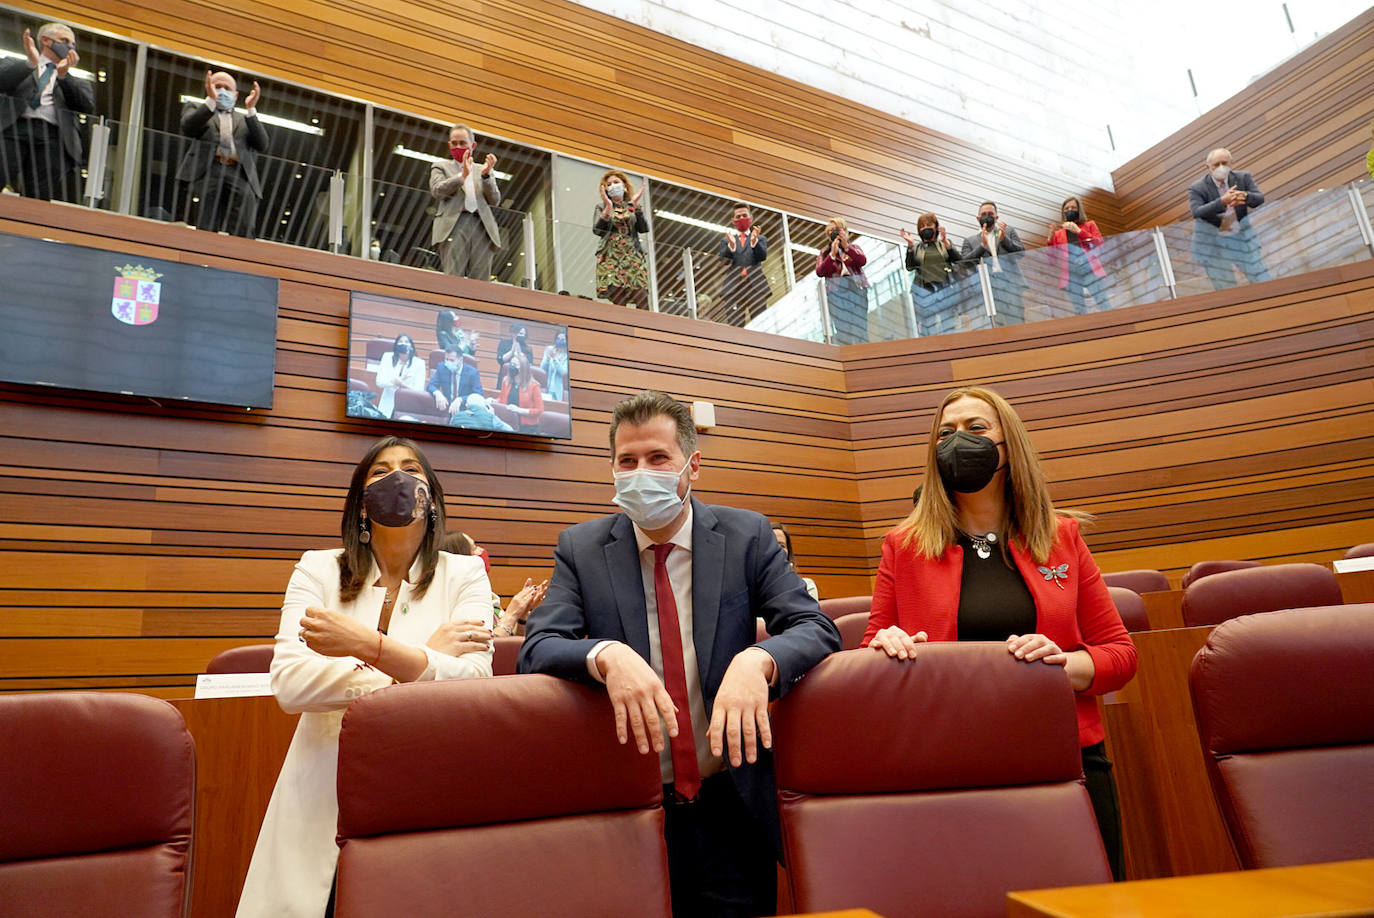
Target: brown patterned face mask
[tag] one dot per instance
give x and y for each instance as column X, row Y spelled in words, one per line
column 396, row 500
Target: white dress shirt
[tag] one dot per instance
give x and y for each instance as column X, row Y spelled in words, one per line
column 46, row 109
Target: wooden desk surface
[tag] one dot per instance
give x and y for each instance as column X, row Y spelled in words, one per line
column 1340, row 888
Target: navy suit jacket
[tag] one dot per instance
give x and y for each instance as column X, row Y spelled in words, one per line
column 738, row 572
column 1205, row 201
column 250, row 138
column 72, row 95
column 469, row 381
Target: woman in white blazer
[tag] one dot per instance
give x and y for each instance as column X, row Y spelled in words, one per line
column 387, row 607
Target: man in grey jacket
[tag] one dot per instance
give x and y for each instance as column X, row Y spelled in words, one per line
column 1223, row 238
column 465, row 232
column 994, row 240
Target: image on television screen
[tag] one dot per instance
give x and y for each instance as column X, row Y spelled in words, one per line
column 418, row 363
column 82, row 318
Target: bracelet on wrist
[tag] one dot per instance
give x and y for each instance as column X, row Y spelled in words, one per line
column 380, row 636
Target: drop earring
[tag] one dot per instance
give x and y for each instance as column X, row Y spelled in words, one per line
column 364, row 534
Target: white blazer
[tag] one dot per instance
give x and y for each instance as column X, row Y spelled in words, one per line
column 389, row 378
column 293, row 863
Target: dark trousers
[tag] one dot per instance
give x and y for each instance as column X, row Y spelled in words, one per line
column 1097, row 770
column 721, row 863
column 637, row 297
column 227, row 201
column 34, row 163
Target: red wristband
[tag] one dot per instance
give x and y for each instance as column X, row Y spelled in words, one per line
column 379, row 649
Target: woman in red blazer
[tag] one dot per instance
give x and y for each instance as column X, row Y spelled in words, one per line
column 1072, row 242
column 984, row 556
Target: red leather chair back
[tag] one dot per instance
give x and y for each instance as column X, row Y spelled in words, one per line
column 1131, row 607
column 251, row 658
column 98, row 801
column 1285, row 713
column 846, row 605
column 1212, row 600
column 504, row 652
column 932, row 787
column 521, row 768
column 852, row 628
column 1361, row 551
column 1138, row 581
column 1208, row 568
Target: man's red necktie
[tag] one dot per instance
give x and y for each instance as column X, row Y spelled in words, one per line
column 686, row 774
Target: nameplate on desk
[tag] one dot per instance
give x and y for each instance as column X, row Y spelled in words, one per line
column 1351, row 565
column 233, row 685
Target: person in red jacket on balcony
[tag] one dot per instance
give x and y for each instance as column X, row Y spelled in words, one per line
column 985, row 556
column 1073, row 241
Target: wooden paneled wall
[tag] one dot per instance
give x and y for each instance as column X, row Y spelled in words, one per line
column 1304, row 125
column 560, row 76
column 136, row 540
column 1225, row 425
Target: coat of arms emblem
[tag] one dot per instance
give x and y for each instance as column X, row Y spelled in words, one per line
column 136, row 294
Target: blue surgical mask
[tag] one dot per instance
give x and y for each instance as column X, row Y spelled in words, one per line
column 224, row 99
column 649, row 497
column 452, row 365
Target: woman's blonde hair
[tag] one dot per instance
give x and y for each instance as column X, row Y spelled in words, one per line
column 616, row 173
column 838, row 223
column 933, row 524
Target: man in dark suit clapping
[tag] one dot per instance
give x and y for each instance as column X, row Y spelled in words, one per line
column 40, row 139
column 221, row 166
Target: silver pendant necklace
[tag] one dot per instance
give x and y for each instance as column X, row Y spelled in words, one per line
column 983, row 544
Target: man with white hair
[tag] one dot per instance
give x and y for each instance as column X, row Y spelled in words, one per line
column 40, row 97
column 221, row 166
column 1223, row 238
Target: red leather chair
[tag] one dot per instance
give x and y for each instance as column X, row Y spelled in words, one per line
column 1361, row 551
column 932, row 787
column 1208, row 568
column 97, row 813
column 846, row 605
column 1138, row 581
column 427, row 782
column 251, row 658
column 418, row 405
column 1267, row 588
column 852, row 628
column 1285, row 713
column 377, row 347
column 1131, row 607
column 505, row 650
column 554, row 424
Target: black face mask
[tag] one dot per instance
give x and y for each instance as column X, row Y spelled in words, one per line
column 928, row 234
column 988, row 220
column 396, row 500
column 834, row 234
column 404, row 348
column 1071, row 215
column 967, row 461
column 61, row 49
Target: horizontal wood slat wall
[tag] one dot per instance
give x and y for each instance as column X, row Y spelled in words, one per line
column 1228, row 425
column 136, row 541
column 1302, row 126
column 563, row 77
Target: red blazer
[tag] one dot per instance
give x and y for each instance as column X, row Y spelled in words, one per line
column 530, row 398
column 1075, row 610
column 1089, row 236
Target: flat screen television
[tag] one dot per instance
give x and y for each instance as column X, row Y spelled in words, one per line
column 417, row 363
column 82, row 318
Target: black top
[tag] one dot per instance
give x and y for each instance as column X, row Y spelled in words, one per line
column 994, row 602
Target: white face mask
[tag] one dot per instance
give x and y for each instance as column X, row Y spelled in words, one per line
column 649, row 497
column 1221, row 173
column 615, row 191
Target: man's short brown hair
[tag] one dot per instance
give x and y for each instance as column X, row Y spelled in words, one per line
column 640, row 409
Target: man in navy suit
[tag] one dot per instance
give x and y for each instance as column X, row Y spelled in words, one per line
column 658, row 602
column 222, row 166
column 744, row 290
column 40, row 138
column 453, row 381
column 1223, row 238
